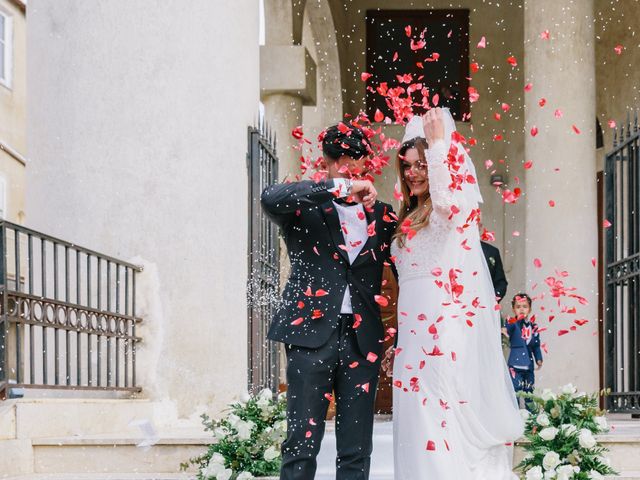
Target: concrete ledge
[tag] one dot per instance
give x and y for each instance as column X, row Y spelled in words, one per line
column 67, row 417
column 7, row 420
column 16, row 457
column 288, row 69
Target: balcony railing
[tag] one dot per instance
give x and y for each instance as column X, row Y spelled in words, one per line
column 67, row 315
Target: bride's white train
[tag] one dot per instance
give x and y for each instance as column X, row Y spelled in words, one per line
column 455, row 411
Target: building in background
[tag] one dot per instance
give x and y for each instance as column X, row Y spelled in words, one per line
column 141, row 145
column 13, row 107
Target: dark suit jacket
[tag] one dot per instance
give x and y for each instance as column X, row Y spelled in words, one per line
column 492, row 256
column 320, row 269
column 522, row 353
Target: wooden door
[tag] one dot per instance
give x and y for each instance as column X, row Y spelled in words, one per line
column 384, row 398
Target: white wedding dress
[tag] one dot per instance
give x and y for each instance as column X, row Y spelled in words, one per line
column 455, row 414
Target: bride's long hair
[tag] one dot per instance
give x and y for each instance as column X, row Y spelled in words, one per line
column 410, row 207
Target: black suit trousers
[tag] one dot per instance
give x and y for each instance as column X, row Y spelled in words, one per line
column 313, row 374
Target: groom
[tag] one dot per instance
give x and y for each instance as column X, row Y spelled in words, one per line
column 338, row 238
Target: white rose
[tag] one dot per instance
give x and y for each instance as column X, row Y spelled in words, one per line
column 565, row 472
column 212, row 470
column 216, row 458
column 543, row 420
column 551, row 460
column 569, row 388
column 224, row 474
column 233, row 419
column 271, row 453
column 595, row 475
column 586, row 439
column 266, row 393
column 548, row 433
column 219, row 433
column 281, row 426
column 244, row 429
column 245, row 476
column 524, row 414
column 550, row 475
column 601, row 422
column 534, row 473
column 547, row 395
column 568, row 428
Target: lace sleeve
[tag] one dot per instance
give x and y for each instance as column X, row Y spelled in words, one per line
column 444, row 198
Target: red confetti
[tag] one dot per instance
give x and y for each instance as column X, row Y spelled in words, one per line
column 372, row 357
column 542, row 102
column 618, row 49
column 473, row 94
column 407, row 30
column 528, row 87
column 534, row 131
column 537, row 263
column 512, row 61
column 297, row 133
column 431, row 445
column 378, row 116
column 365, row 76
column 544, row 35
column 505, row 107
column 528, row 164
column 575, row 129
column 297, row 321
column 552, row 203
column 482, row 43
column 381, row 300
column 606, row 223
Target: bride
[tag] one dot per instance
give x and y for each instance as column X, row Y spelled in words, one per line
column 455, row 414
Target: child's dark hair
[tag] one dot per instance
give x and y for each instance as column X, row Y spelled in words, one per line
column 339, row 140
column 520, row 296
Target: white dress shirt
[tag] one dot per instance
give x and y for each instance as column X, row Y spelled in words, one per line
column 354, row 230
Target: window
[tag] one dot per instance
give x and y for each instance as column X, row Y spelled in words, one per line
column 446, row 33
column 6, row 49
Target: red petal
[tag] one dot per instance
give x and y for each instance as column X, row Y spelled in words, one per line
column 381, row 300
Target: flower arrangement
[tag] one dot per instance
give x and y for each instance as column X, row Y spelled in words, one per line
column 246, row 442
column 561, row 434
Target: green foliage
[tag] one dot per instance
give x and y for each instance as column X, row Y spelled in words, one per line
column 564, row 423
column 246, row 441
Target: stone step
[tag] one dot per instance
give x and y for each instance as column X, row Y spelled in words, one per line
column 35, row 418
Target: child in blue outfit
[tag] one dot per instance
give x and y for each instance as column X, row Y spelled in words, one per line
column 524, row 340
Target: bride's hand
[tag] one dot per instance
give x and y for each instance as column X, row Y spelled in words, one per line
column 387, row 361
column 433, row 125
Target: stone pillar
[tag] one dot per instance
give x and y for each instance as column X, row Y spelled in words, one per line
column 283, row 113
column 287, row 82
column 563, row 237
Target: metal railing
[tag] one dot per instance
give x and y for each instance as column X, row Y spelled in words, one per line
column 264, row 262
column 622, row 270
column 67, row 315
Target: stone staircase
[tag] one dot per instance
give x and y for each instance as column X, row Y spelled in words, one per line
column 67, row 439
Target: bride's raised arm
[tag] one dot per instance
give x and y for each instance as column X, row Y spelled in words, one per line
column 445, row 199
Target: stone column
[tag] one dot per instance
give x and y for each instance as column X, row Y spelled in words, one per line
column 287, row 82
column 564, row 236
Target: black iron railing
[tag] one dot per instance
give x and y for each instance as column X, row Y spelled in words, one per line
column 622, row 270
column 67, row 315
column 264, row 262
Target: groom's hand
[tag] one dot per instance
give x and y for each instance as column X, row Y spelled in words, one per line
column 364, row 192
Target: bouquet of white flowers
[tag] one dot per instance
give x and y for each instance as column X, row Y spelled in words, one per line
column 246, row 442
column 561, row 435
